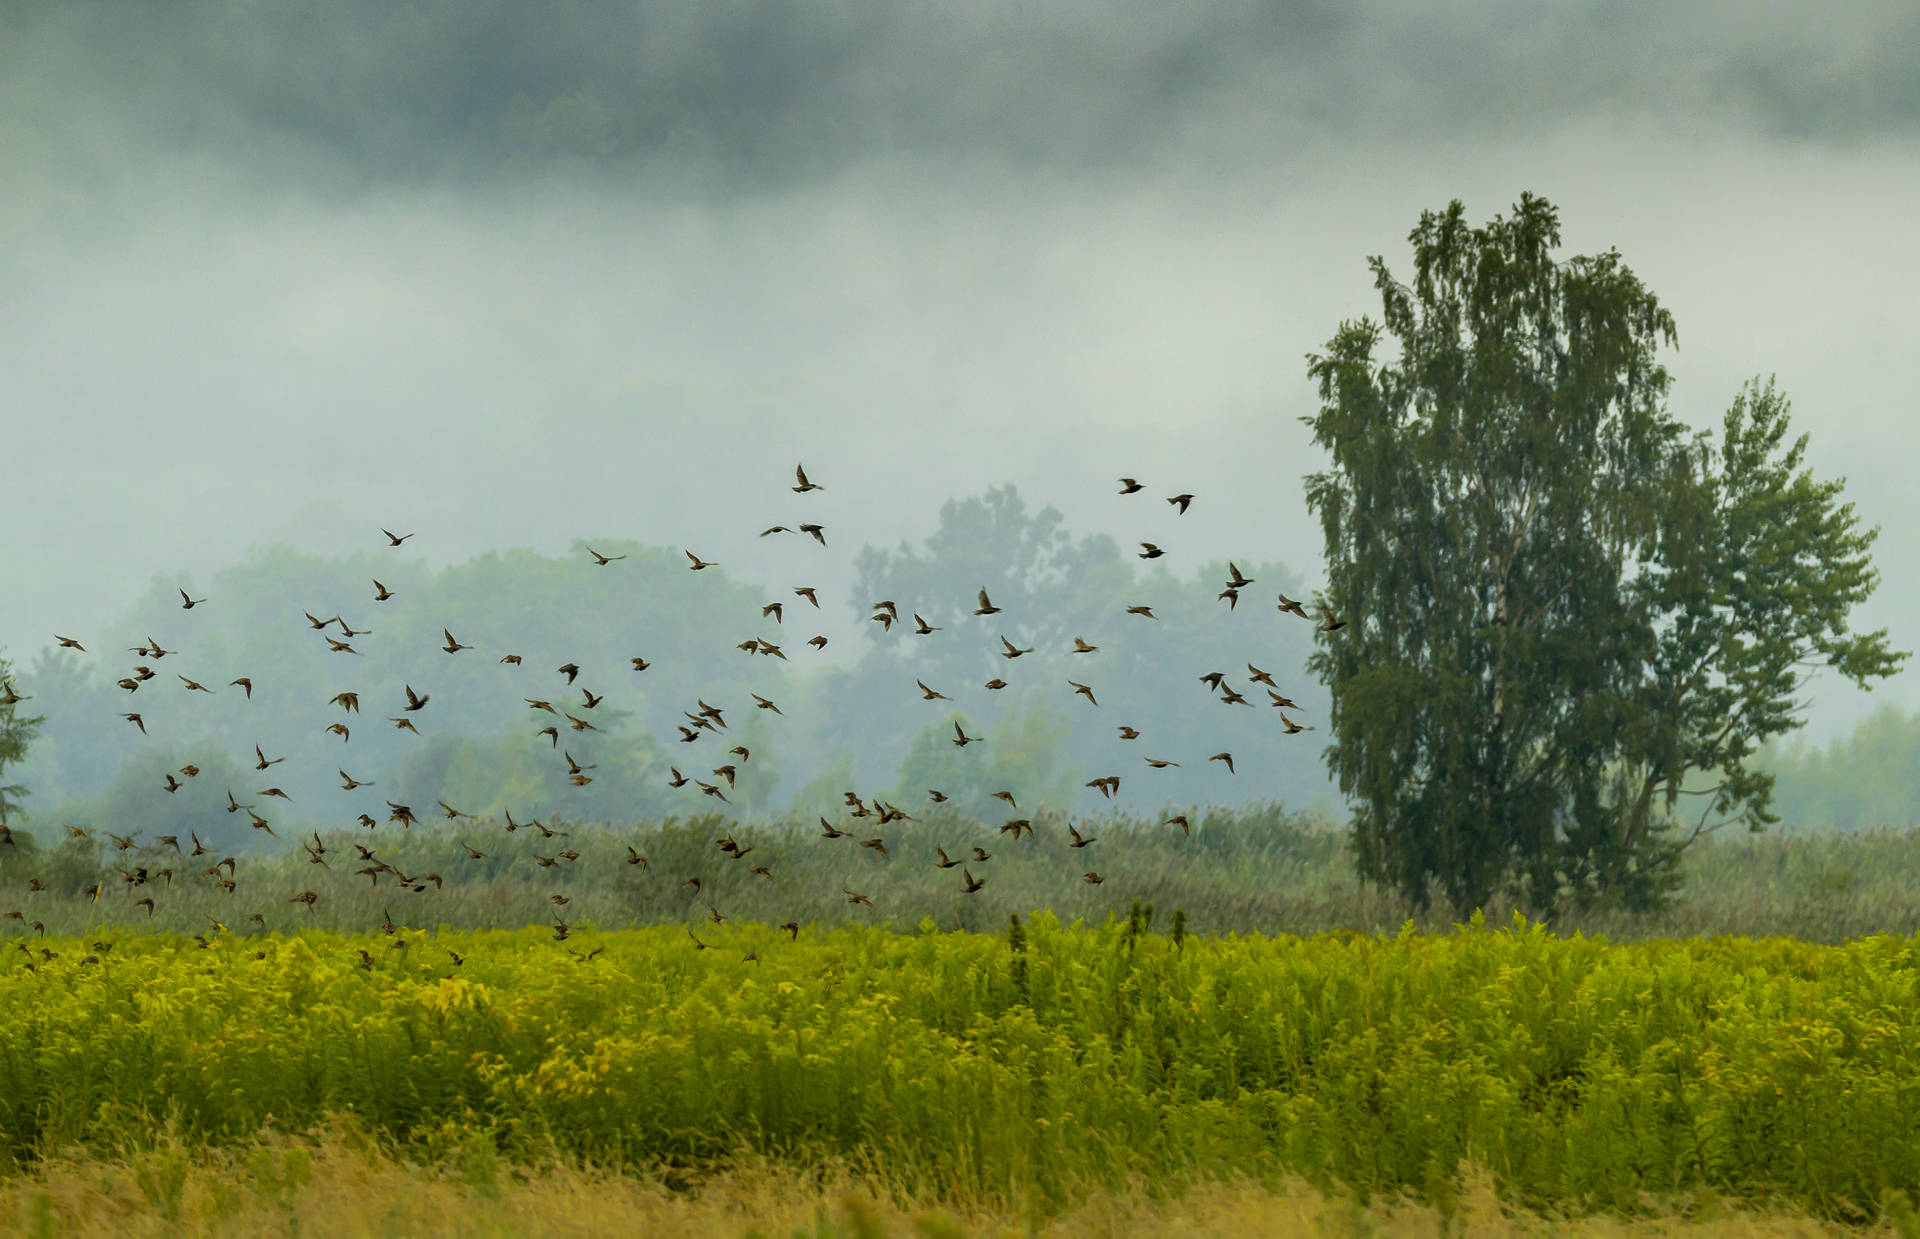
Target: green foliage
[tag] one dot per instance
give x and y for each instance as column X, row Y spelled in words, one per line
column 1867, row 779
column 1582, row 1074
column 1510, row 696
column 17, row 732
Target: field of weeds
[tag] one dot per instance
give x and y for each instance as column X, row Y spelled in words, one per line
column 1033, row 1070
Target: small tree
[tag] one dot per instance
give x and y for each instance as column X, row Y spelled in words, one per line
column 17, row 732
column 1558, row 606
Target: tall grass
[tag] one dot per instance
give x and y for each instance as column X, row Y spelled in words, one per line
column 1041, row 1066
column 1241, row 871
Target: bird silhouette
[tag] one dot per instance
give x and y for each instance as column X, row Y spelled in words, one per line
column 1181, row 502
column 603, row 560
column 800, row 476
column 188, row 604
column 1290, row 605
column 394, row 539
column 1128, row 486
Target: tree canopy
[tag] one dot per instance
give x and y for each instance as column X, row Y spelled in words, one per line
column 17, row 731
column 1560, row 605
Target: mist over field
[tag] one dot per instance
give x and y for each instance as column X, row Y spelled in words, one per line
column 517, row 278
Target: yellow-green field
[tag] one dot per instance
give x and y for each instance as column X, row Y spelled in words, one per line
column 998, row 1075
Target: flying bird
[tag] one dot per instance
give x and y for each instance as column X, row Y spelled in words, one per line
column 350, row 702
column 800, row 476
column 1011, row 650
column 382, row 592
column 68, row 643
column 929, row 695
column 1083, row 690
column 807, row 592
column 698, row 563
column 960, row 738
column 394, row 539
column 137, row 721
column 1181, row 502
column 1149, row 551
column 1128, row 486
column 1289, row 604
column 603, row 560
column 260, row 759
column 244, row 683
column 986, row 606
column 452, row 646
column 1332, row 624
column 1224, row 757
column 188, row 604
column 416, row 701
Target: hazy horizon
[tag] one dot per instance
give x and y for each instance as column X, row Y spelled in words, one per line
column 293, row 276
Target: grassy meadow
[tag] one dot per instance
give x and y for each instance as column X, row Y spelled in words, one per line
column 1227, row 1035
column 1258, row 869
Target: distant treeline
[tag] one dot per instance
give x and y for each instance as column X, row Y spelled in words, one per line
column 1866, row 780
column 858, row 724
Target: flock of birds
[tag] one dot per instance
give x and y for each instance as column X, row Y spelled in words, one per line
column 140, row 870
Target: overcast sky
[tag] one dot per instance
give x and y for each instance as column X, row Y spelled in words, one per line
column 299, row 280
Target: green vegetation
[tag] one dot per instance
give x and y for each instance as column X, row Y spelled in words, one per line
column 1560, row 610
column 965, row 1066
column 1254, row 871
column 17, row 731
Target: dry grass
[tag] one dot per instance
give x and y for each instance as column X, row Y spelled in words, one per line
column 340, row 1186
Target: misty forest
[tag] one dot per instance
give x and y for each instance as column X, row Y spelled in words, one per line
column 859, row 620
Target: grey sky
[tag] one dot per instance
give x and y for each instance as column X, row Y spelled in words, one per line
column 296, row 279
